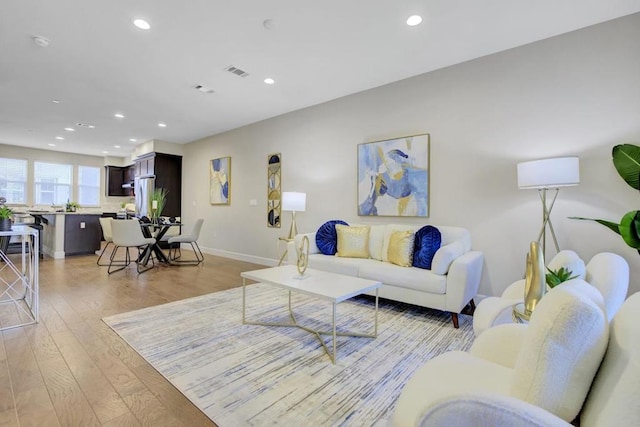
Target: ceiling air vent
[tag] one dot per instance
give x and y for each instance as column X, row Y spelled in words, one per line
column 203, row 89
column 236, row 71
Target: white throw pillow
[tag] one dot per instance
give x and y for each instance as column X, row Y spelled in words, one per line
column 376, row 241
column 445, row 255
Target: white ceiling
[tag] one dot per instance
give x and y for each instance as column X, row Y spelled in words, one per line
column 98, row 63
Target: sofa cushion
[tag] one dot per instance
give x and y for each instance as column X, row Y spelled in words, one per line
column 410, row 277
column 376, row 241
column 353, row 242
column 427, row 242
column 326, row 237
column 334, row 264
column 400, row 250
column 445, row 255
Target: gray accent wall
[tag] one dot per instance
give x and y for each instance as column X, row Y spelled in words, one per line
column 577, row 94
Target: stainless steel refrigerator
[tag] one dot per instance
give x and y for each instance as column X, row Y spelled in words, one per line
column 144, row 190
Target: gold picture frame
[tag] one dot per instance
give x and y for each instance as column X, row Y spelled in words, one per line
column 274, row 190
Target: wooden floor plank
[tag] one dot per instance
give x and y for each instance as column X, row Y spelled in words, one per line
column 72, row 369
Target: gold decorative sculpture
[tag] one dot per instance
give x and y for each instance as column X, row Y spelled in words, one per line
column 535, row 284
column 303, row 256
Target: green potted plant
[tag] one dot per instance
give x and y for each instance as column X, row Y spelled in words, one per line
column 72, row 206
column 157, row 202
column 6, row 215
column 626, row 159
column 554, row 278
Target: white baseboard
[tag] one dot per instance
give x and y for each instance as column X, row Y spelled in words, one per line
column 241, row 257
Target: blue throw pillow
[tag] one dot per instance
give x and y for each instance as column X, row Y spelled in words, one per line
column 326, row 237
column 427, row 242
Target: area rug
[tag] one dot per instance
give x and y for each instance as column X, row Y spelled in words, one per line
column 257, row 375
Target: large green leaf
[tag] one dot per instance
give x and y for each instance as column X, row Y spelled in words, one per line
column 611, row 225
column 626, row 159
column 629, row 226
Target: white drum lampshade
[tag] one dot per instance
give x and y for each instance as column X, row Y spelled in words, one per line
column 294, row 202
column 549, row 173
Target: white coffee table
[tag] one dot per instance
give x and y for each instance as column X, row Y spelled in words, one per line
column 328, row 286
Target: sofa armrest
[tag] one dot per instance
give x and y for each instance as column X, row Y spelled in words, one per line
column 493, row 311
column 292, row 254
column 463, row 280
column 500, row 344
column 487, row 409
column 515, row 290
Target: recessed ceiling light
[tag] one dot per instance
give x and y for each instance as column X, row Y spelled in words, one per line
column 105, row 152
column 132, row 139
column 55, row 101
column 162, row 125
column 269, row 81
column 414, row 20
column 142, row 24
column 51, row 145
column 118, row 115
column 116, row 146
column 59, row 137
column 70, row 129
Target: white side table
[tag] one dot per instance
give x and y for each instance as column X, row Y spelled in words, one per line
column 19, row 284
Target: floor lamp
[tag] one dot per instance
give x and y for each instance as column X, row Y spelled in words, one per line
column 544, row 175
column 294, row 202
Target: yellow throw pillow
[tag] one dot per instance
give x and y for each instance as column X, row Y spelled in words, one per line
column 400, row 250
column 353, row 242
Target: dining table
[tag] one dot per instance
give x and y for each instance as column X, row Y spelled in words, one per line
column 157, row 231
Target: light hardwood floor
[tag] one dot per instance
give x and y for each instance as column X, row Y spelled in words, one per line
column 71, row 370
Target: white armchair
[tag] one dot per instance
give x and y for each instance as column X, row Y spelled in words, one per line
column 606, row 271
column 543, row 382
column 612, row 399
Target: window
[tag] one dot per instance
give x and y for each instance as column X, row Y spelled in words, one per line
column 52, row 183
column 88, row 186
column 13, row 180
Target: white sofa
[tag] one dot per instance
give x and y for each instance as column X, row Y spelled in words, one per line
column 450, row 285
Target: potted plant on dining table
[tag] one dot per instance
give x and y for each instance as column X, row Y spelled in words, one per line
column 158, row 201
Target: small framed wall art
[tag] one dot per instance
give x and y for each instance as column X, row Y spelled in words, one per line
column 274, row 193
column 220, row 181
column 393, row 177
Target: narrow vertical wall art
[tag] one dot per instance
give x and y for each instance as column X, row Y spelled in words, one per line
column 220, row 181
column 274, row 195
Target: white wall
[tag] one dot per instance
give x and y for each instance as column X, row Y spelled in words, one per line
column 576, row 94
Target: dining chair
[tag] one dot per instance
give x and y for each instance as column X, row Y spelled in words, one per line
column 192, row 238
column 126, row 233
column 105, row 223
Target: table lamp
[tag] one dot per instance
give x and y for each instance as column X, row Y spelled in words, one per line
column 294, row 202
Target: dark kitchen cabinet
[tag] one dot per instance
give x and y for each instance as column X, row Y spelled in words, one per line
column 167, row 171
column 115, row 177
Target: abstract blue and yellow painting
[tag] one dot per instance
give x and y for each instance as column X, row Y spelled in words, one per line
column 393, row 177
column 219, row 180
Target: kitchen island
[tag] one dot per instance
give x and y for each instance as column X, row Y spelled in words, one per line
column 69, row 233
